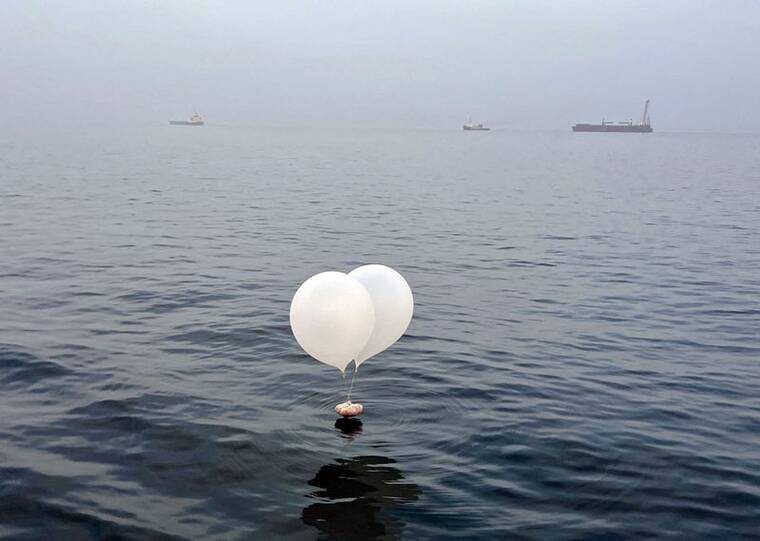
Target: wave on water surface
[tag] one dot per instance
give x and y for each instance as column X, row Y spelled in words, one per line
column 582, row 362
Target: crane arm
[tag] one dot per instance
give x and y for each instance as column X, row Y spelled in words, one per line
column 646, row 109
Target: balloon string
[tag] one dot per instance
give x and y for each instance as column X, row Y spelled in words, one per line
column 352, row 382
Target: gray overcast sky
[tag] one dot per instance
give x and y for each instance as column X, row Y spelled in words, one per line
column 535, row 64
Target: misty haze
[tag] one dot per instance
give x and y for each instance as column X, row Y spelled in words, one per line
column 522, row 65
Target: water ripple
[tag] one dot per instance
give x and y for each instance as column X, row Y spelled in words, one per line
column 582, row 362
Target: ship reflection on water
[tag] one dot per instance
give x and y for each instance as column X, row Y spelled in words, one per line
column 354, row 495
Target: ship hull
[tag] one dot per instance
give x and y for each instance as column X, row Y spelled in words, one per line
column 185, row 123
column 465, row 128
column 612, row 128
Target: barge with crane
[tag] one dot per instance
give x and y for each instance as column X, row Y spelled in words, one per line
column 645, row 126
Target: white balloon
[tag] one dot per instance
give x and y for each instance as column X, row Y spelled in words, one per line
column 394, row 304
column 332, row 318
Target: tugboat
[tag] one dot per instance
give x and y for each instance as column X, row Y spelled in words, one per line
column 645, row 126
column 472, row 126
column 195, row 120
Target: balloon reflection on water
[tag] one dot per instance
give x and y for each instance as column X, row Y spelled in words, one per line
column 349, row 427
column 355, row 496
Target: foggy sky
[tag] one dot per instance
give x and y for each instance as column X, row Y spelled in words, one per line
column 512, row 64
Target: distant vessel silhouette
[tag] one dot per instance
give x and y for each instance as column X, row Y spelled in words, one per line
column 195, row 120
column 472, row 126
column 645, row 126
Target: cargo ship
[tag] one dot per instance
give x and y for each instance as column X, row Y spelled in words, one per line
column 472, row 126
column 194, row 120
column 645, row 126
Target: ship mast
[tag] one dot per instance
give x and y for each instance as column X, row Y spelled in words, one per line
column 644, row 116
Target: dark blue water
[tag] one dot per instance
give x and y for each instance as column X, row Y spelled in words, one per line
column 584, row 360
